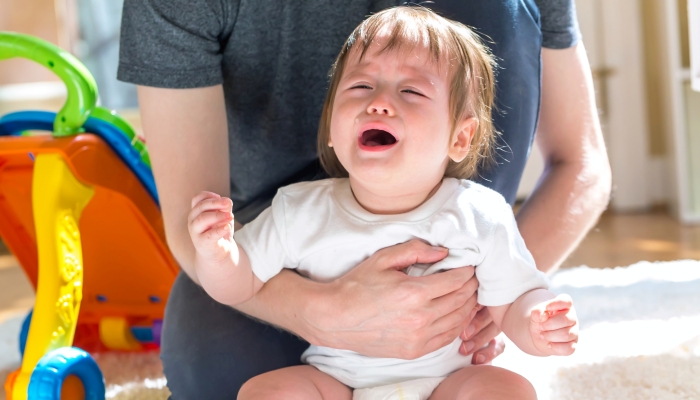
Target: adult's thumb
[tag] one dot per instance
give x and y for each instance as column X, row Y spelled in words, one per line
column 403, row 255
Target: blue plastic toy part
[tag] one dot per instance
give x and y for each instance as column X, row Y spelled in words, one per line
column 14, row 124
column 148, row 334
column 143, row 334
column 24, row 332
column 48, row 376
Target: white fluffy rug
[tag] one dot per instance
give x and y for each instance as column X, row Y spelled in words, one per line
column 640, row 335
column 640, row 339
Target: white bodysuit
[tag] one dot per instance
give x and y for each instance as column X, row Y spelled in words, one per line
column 319, row 229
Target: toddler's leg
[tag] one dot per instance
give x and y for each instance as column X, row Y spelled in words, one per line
column 302, row 382
column 484, row 382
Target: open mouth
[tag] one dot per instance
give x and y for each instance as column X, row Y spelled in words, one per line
column 376, row 138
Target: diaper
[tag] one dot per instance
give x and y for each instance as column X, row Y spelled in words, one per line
column 417, row 389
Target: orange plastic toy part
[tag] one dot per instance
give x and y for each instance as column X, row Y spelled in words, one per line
column 128, row 267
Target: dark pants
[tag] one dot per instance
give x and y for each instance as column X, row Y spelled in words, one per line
column 210, row 350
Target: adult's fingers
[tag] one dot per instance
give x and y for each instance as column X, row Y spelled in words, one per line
column 406, row 254
column 442, row 340
column 480, row 321
column 440, row 284
column 487, row 354
column 481, row 338
column 462, row 298
column 203, row 195
column 454, row 318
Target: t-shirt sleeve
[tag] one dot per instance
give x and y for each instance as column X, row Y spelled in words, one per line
column 265, row 241
column 174, row 43
column 559, row 24
column 508, row 269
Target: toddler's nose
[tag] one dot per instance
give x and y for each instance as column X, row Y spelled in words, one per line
column 378, row 110
column 380, row 106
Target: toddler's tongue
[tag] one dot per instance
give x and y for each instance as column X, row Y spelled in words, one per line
column 377, row 137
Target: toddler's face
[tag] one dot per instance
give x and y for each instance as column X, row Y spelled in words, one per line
column 390, row 124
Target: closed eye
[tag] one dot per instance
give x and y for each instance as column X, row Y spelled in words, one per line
column 410, row 91
column 361, row 87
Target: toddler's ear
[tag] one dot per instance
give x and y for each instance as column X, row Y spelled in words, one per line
column 462, row 139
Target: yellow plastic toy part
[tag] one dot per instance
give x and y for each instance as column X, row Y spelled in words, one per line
column 58, row 200
column 115, row 333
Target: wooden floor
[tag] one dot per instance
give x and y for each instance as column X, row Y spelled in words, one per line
column 617, row 240
column 624, row 239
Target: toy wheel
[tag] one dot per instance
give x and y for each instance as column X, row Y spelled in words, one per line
column 69, row 365
column 25, row 332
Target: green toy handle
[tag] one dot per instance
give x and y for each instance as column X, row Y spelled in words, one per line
column 81, row 86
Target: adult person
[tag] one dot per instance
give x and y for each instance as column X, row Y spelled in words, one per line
column 230, row 96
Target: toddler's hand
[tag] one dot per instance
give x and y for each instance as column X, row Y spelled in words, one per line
column 554, row 326
column 211, row 226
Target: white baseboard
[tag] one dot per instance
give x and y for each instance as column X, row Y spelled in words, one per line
column 32, row 91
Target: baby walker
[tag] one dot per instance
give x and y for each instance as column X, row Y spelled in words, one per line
column 79, row 210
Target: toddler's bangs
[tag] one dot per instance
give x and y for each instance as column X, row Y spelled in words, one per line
column 403, row 30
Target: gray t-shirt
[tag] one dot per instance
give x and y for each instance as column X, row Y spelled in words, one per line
column 273, row 58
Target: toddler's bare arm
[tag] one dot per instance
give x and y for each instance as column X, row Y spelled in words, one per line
column 221, row 265
column 539, row 323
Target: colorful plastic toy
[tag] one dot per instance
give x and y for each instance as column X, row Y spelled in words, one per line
column 79, row 210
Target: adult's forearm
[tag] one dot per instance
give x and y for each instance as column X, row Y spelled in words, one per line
column 564, row 207
column 285, row 301
column 187, row 139
column 575, row 185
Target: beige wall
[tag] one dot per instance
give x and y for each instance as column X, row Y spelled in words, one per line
column 653, row 40
column 683, row 27
column 38, row 18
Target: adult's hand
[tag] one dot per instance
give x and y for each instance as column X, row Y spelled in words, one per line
column 377, row 310
column 481, row 338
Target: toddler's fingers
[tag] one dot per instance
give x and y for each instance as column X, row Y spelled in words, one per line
column 209, row 219
column 203, row 195
column 561, row 302
column 561, row 320
column 539, row 313
column 212, row 203
column 216, row 232
column 220, row 230
column 562, row 349
column 563, row 335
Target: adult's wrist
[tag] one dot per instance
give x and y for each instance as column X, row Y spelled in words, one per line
column 320, row 313
column 295, row 304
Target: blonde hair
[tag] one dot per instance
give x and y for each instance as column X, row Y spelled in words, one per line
column 471, row 87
